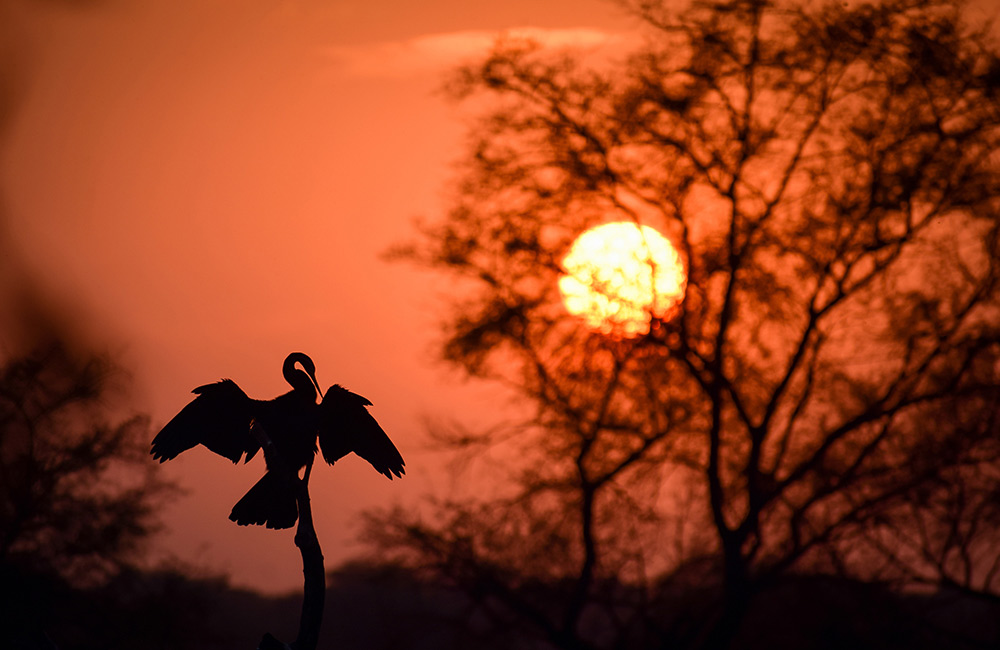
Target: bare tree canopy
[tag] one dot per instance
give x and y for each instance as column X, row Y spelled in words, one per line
column 826, row 398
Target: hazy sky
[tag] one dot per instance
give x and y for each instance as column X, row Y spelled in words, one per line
column 207, row 185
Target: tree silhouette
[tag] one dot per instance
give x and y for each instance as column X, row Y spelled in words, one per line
column 825, row 401
column 78, row 494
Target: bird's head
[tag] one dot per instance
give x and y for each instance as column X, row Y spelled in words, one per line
column 304, row 379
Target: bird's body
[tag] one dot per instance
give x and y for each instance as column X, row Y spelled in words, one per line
column 291, row 422
column 222, row 416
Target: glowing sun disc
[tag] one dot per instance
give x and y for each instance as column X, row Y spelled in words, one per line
column 618, row 276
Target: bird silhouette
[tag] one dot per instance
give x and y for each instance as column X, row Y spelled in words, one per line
column 221, row 418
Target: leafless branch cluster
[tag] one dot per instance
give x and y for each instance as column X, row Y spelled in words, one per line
column 827, row 398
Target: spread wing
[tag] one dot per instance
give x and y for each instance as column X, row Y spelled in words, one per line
column 346, row 425
column 218, row 418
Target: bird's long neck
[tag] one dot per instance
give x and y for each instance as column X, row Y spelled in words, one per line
column 301, row 381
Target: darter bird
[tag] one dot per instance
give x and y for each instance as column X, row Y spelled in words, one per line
column 221, row 417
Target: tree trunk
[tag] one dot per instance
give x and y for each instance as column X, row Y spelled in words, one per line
column 736, row 600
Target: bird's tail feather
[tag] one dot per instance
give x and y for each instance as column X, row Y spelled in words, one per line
column 270, row 502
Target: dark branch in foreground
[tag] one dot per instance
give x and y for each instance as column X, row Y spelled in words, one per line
column 313, row 570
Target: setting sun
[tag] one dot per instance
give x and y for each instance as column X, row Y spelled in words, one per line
column 620, row 275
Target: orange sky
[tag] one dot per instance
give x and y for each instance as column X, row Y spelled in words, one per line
column 206, row 186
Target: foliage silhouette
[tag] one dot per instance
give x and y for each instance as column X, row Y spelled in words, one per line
column 226, row 421
column 78, row 494
column 825, row 401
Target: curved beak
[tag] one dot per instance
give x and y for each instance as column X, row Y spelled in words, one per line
column 312, row 376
